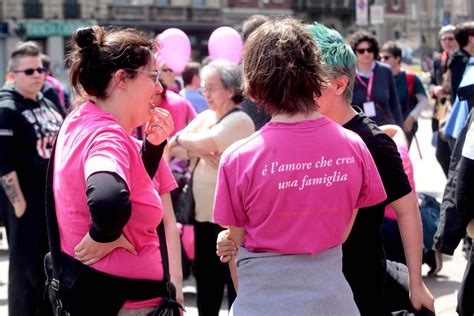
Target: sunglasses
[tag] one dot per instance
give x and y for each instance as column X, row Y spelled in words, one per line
column 385, row 57
column 154, row 75
column 363, row 50
column 31, row 71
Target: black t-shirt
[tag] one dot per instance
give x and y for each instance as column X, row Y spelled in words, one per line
column 364, row 261
column 27, row 132
column 258, row 117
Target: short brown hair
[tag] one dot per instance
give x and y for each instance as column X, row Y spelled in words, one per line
column 252, row 23
column 282, row 67
column 24, row 49
column 99, row 52
column 191, row 70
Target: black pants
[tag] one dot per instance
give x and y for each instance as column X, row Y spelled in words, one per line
column 443, row 154
column 28, row 244
column 211, row 274
column 466, row 292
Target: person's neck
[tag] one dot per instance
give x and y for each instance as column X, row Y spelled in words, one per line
column 224, row 109
column 27, row 95
column 288, row 118
column 365, row 67
column 192, row 87
column 470, row 49
column 341, row 111
column 397, row 69
column 116, row 108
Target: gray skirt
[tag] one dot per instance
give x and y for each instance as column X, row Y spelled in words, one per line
column 275, row 284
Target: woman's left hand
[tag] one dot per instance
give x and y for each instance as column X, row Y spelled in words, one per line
column 420, row 296
column 159, row 127
column 89, row 251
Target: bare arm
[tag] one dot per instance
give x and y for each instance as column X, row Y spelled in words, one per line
column 236, row 234
column 411, row 230
column 174, row 247
column 12, row 189
column 199, row 144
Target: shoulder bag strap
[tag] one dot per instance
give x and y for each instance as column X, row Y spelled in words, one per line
column 52, row 221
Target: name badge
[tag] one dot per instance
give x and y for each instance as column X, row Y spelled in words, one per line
column 369, row 108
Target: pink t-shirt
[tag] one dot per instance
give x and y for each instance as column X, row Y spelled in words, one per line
column 181, row 110
column 408, row 167
column 294, row 186
column 92, row 141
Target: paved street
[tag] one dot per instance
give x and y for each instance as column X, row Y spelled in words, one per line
column 428, row 178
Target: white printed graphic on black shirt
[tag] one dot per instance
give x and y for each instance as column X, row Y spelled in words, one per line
column 46, row 124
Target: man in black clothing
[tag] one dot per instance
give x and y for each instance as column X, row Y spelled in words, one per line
column 451, row 228
column 28, row 125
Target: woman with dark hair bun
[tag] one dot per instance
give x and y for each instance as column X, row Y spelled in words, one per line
column 106, row 205
column 290, row 192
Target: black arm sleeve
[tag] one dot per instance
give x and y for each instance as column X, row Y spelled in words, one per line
column 109, row 205
column 465, row 188
column 151, row 156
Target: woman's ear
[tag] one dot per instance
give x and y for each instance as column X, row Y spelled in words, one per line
column 121, row 78
column 340, row 85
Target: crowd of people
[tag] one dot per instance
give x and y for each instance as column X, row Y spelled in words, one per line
column 297, row 161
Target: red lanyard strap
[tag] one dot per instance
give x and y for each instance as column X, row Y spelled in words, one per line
column 367, row 87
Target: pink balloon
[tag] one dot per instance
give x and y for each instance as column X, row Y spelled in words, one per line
column 175, row 49
column 225, row 43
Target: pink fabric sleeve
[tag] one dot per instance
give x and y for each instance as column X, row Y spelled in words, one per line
column 108, row 152
column 372, row 191
column 164, row 181
column 228, row 208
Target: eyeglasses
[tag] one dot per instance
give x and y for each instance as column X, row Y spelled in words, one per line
column 363, row 50
column 385, row 57
column 447, row 39
column 31, row 71
column 154, row 75
column 209, row 89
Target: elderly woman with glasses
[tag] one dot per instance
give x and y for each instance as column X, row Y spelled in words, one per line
column 374, row 87
column 203, row 141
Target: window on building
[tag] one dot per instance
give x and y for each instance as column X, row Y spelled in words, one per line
column 396, row 34
column 32, row 9
column 198, row 3
column 396, row 5
column 163, row 2
column 72, row 9
column 122, row 2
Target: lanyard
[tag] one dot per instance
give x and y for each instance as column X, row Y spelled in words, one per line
column 369, row 87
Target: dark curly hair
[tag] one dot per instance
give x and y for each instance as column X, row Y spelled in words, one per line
column 99, row 52
column 363, row 36
column 282, row 68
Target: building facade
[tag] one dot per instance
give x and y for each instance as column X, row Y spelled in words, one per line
column 51, row 22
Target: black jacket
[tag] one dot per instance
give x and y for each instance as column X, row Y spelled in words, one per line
column 457, row 65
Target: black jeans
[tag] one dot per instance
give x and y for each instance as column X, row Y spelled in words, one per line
column 211, row 274
column 466, row 292
column 28, row 244
column 443, row 154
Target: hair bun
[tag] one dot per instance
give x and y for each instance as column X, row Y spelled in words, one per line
column 85, row 36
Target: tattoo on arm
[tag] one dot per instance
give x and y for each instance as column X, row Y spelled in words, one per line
column 8, row 184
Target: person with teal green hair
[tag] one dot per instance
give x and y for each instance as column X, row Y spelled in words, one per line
column 364, row 262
